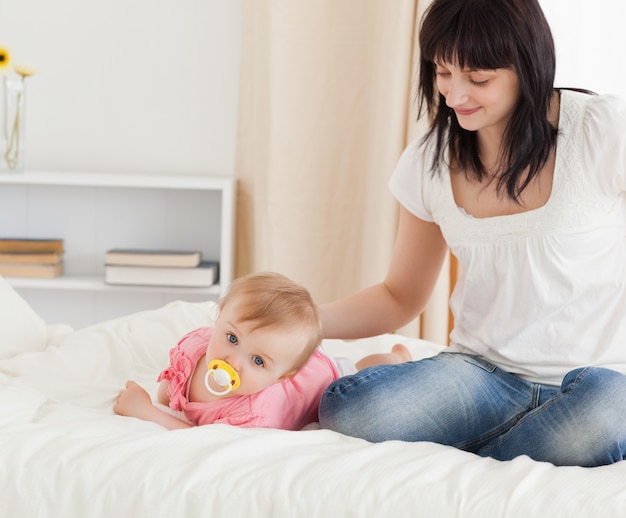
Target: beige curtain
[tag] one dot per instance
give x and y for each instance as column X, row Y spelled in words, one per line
column 326, row 108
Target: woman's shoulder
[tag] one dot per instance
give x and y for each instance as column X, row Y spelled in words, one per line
column 607, row 109
column 602, row 141
column 598, row 120
column 594, row 111
column 413, row 180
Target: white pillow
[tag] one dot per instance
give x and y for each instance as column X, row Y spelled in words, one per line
column 21, row 329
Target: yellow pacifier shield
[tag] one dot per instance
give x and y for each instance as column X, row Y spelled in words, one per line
column 223, row 375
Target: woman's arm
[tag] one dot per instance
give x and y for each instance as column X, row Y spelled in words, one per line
column 134, row 401
column 418, row 255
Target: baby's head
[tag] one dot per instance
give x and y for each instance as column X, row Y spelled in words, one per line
column 267, row 328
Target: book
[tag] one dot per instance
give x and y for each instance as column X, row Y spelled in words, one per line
column 31, row 245
column 203, row 275
column 31, row 258
column 41, row 271
column 138, row 257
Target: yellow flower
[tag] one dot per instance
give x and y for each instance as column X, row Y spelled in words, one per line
column 24, row 71
column 5, row 59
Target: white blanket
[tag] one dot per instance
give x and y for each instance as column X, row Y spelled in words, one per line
column 66, row 454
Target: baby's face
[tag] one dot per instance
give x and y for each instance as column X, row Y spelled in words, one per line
column 260, row 356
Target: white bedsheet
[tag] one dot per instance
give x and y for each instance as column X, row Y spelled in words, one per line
column 66, row 454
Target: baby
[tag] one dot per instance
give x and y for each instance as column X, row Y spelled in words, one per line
column 258, row 366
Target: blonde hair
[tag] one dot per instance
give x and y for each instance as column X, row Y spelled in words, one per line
column 271, row 299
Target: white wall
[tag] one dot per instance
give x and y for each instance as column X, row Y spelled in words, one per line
column 151, row 85
column 590, row 40
column 128, row 85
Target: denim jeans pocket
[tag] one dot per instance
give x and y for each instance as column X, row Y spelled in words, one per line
column 478, row 361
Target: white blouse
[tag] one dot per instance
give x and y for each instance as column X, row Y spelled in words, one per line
column 542, row 292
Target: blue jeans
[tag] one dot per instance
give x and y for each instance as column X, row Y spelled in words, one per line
column 464, row 401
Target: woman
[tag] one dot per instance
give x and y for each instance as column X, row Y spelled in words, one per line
column 526, row 185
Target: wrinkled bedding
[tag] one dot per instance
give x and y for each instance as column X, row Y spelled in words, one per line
column 66, row 454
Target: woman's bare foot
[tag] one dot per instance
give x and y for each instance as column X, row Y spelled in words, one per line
column 398, row 354
column 401, row 351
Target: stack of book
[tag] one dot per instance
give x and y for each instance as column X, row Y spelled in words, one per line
column 159, row 268
column 40, row 258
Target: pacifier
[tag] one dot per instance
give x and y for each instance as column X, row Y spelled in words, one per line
column 223, row 375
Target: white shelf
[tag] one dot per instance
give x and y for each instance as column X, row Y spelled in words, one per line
column 96, row 211
column 123, row 180
column 95, row 283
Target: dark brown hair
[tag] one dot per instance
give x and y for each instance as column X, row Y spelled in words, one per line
column 487, row 35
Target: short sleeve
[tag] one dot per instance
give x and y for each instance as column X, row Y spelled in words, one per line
column 605, row 142
column 409, row 179
column 183, row 360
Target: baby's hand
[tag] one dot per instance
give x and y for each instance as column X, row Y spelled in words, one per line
column 134, row 401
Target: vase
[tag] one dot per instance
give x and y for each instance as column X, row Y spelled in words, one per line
column 12, row 101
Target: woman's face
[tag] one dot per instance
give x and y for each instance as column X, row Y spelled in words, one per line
column 483, row 100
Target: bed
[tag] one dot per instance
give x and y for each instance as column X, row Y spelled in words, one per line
column 66, row 454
